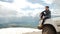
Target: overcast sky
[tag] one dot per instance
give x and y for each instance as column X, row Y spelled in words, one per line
column 26, row 7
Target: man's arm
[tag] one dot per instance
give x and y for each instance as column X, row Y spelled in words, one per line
column 41, row 15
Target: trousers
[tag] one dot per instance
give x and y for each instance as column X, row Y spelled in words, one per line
column 44, row 20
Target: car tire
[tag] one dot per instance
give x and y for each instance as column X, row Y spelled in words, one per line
column 48, row 30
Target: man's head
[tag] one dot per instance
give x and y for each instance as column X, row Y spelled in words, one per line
column 46, row 7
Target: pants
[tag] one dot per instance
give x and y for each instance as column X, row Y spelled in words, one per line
column 44, row 20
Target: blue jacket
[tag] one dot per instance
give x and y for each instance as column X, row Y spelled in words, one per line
column 46, row 14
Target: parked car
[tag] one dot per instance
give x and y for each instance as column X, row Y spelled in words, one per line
column 51, row 26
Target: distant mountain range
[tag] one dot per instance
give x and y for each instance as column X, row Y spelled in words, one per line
column 25, row 21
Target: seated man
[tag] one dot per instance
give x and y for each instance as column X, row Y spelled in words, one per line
column 46, row 14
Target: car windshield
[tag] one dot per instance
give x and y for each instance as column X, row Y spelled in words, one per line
column 23, row 13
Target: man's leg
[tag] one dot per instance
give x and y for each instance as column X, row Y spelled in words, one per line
column 43, row 21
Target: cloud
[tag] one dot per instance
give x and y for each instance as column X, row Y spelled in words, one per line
column 48, row 1
column 57, row 7
column 43, row 2
column 10, row 1
column 19, row 4
column 33, row 7
column 5, row 10
column 57, row 4
column 25, row 8
column 28, row 5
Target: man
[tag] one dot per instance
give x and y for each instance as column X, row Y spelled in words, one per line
column 46, row 14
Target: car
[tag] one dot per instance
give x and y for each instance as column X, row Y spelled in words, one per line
column 50, row 26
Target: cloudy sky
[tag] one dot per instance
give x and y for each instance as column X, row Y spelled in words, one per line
column 25, row 7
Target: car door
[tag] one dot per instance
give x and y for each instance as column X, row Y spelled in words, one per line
column 57, row 22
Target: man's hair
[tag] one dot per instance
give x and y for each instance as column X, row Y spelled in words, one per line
column 47, row 6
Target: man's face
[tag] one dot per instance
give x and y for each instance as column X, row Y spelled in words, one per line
column 46, row 8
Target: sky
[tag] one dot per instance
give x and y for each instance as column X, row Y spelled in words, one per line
column 25, row 7
column 57, row 7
